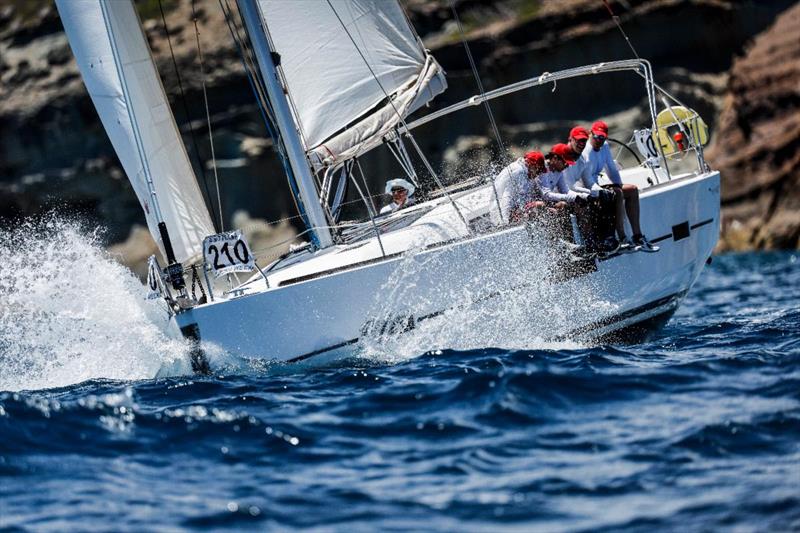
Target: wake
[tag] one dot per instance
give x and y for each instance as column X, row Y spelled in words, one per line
column 69, row 312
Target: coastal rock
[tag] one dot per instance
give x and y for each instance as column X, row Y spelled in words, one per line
column 757, row 147
column 49, row 129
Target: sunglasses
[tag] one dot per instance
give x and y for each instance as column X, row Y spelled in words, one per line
column 395, row 191
column 600, row 138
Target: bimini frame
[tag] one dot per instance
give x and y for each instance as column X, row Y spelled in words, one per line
column 639, row 66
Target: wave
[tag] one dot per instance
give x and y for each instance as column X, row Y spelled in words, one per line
column 71, row 313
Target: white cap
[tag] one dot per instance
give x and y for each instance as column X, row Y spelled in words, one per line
column 400, row 182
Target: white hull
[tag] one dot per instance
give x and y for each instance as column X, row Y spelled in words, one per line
column 320, row 307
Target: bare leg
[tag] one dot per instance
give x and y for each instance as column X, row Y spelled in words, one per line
column 619, row 204
column 631, row 193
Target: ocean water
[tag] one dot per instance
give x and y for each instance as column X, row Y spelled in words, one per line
column 698, row 429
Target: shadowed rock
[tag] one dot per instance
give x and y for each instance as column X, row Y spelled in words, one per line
column 757, row 147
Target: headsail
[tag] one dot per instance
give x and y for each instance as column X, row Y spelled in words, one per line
column 118, row 70
column 339, row 88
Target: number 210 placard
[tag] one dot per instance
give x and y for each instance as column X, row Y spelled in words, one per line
column 227, row 252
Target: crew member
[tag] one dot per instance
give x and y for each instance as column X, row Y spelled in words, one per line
column 597, row 157
column 402, row 192
column 547, row 197
column 576, row 168
column 553, row 183
column 598, row 221
column 514, row 185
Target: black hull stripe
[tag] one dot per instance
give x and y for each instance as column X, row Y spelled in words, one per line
column 624, row 316
column 672, row 235
column 321, row 351
column 703, row 223
column 574, row 333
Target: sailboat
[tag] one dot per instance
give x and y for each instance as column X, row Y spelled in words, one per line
column 336, row 79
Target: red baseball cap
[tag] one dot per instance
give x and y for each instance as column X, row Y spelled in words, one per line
column 579, row 132
column 564, row 152
column 600, row 128
column 534, row 159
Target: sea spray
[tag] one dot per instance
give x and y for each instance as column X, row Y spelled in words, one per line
column 71, row 313
column 508, row 298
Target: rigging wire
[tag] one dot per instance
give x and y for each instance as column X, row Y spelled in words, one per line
column 615, row 18
column 477, row 77
column 402, row 120
column 217, row 223
column 371, row 206
column 208, row 115
column 486, row 105
column 137, row 134
column 370, row 212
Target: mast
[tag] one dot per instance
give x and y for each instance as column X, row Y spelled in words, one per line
column 256, row 29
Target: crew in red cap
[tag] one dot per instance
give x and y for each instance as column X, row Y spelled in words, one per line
column 576, row 171
column 515, row 187
column 535, row 161
column 552, row 184
column 600, row 128
column 598, row 157
column 578, row 136
column 597, row 224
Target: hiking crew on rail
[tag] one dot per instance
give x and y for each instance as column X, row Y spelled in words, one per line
column 567, row 181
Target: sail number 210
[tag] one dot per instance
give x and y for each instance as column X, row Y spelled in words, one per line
column 227, row 252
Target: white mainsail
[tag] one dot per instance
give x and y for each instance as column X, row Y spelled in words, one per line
column 119, row 73
column 339, row 88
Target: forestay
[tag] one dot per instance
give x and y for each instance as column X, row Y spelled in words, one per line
column 340, row 60
column 118, row 70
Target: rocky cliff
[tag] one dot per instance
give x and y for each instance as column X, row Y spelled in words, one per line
column 757, row 146
column 53, row 151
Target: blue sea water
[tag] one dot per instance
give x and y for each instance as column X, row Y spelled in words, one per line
column 697, row 430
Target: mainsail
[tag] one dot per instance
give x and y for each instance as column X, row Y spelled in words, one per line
column 118, row 70
column 354, row 69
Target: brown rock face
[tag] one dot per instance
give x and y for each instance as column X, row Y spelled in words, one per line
column 757, row 148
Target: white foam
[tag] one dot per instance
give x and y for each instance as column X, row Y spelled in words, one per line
column 69, row 313
column 527, row 318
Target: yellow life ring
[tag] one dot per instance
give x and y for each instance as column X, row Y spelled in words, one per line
column 670, row 135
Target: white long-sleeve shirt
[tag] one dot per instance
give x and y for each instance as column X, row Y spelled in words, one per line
column 575, row 174
column 596, row 161
column 512, row 187
column 553, row 187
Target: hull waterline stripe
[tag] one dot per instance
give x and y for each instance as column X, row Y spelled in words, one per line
column 672, row 298
column 703, row 223
column 321, row 351
column 580, row 331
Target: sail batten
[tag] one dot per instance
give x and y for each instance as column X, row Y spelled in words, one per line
column 122, row 80
column 354, row 69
